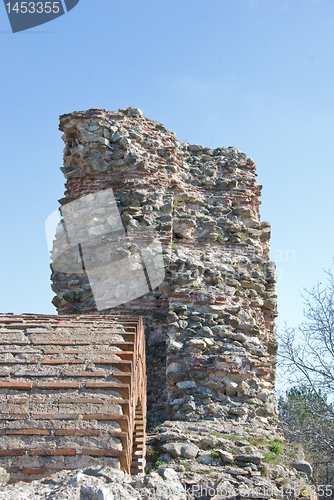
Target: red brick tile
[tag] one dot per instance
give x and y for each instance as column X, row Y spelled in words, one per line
column 11, row 453
column 27, row 470
column 18, row 401
column 106, row 385
column 56, row 416
column 75, row 432
column 57, row 385
column 30, row 432
column 50, row 453
column 81, row 401
column 19, row 386
column 44, row 416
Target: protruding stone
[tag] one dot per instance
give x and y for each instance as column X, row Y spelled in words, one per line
column 134, row 112
column 225, row 456
column 4, row 476
column 254, row 458
column 303, row 466
column 183, row 450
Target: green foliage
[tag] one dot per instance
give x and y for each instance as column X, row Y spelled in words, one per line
column 221, row 238
column 158, row 463
column 271, row 457
column 303, row 403
column 276, row 446
column 214, row 454
column 216, row 434
column 307, row 418
column 235, row 438
column 307, row 357
column 256, row 441
column 174, row 246
column 186, row 466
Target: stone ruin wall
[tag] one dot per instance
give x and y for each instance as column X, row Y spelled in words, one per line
column 211, row 348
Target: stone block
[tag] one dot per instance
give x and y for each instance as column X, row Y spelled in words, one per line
column 303, row 466
column 182, row 450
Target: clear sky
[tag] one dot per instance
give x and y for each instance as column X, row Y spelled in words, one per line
column 254, row 74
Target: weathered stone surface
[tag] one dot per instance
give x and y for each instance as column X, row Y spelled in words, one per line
column 184, row 450
column 4, row 476
column 203, row 204
column 234, row 471
column 209, row 328
column 250, row 457
column 205, row 459
column 302, row 466
column 99, row 483
column 225, row 456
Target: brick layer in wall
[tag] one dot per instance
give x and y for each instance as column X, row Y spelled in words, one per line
column 72, row 393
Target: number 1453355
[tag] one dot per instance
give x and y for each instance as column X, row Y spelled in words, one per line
column 33, row 7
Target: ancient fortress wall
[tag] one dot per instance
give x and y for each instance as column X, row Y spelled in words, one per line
column 210, row 325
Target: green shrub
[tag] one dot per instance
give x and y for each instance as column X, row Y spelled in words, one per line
column 276, row 446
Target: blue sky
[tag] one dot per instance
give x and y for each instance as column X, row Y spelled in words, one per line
column 258, row 75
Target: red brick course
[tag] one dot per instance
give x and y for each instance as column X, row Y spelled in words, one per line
column 57, row 385
column 50, row 453
column 28, row 471
column 74, row 432
column 13, row 416
column 56, row 416
column 11, row 453
column 30, row 432
column 19, row 386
